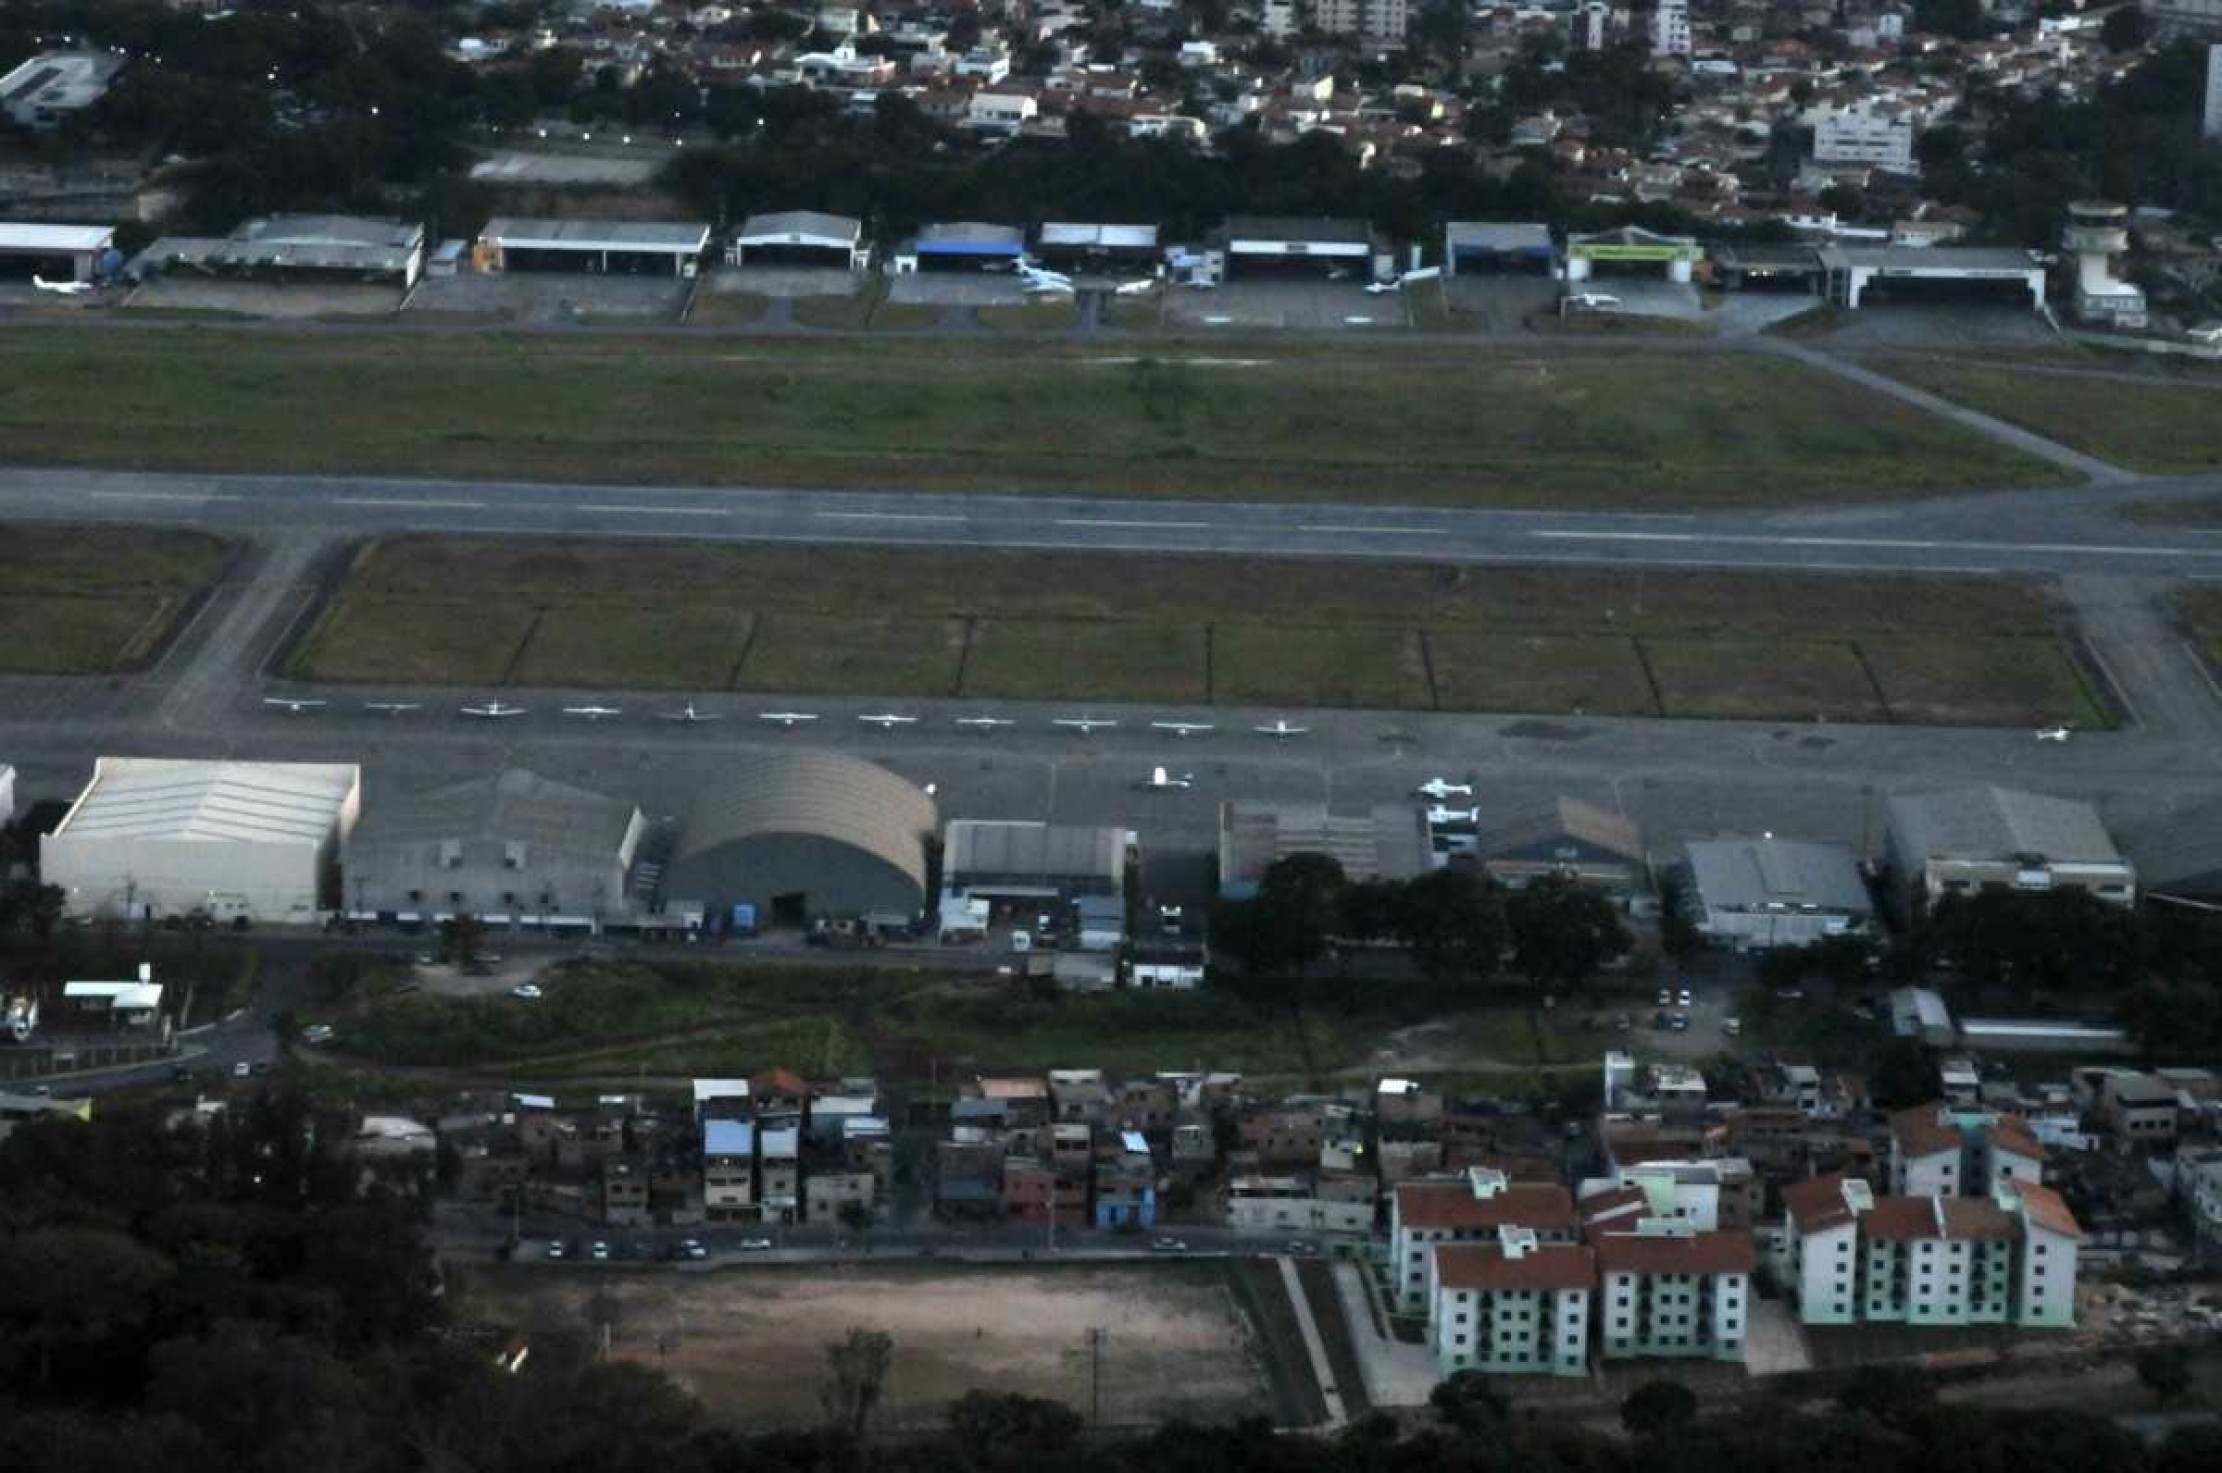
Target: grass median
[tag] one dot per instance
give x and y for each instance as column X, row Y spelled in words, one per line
column 2157, row 428
column 90, row 600
column 1194, row 630
column 1409, row 423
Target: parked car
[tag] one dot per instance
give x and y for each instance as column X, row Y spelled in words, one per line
column 1733, row 1027
column 1168, row 1245
column 756, row 1245
column 527, row 991
column 1666, row 997
column 242, row 1069
column 555, row 1247
column 600, row 1252
column 692, row 1249
column 317, row 1033
column 1683, row 997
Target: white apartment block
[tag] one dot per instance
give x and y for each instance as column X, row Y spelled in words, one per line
column 1670, row 28
column 1280, row 19
column 1468, row 1209
column 1668, row 1289
column 1373, row 22
column 1860, row 137
column 1589, row 24
column 2210, row 124
column 1512, row 1306
column 1852, row 1257
column 1939, row 1150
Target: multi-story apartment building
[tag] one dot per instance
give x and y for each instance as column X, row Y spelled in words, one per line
column 729, row 1170
column 1939, row 1150
column 1422, row 1213
column 1667, row 1288
column 1861, row 137
column 1373, row 22
column 1850, row 1256
column 1513, row 1305
column 1670, row 28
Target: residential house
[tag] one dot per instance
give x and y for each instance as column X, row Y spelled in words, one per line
column 624, row 1194
column 830, row 1190
column 729, row 1170
column 1034, row 1190
column 1299, row 1202
column 1126, row 1185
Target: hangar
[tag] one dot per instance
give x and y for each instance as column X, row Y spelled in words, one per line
column 1908, row 273
column 512, row 849
column 1257, row 245
column 299, row 247
column 1385, row 842
column 56, row 252
column 1632, row 248
column 1071, row 246
column 1768, row 268
column 963, row 245
column 801, row 238
column 1031, row 860
column 803, row 834
column 235, row 841
column 1483, row 248
column 596, row 247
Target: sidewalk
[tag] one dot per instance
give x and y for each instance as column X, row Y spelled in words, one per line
column 1397, row 1374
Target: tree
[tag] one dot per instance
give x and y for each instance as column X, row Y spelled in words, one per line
column 2165, row 1371
column 856, row 1377
column 1678, row 934
column 1284, row 928
column 1563, row 931
column 1468, row 1403
column 1902, row 1075
column 1002, row 1429
column 460, row 938
column 71, row 1293
column 1453, row 921
column 2126, row 28
column 1658, row 1406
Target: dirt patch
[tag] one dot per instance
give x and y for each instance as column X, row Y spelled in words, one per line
column 750, row 1343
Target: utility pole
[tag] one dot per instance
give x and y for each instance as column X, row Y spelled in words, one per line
column 1096, row 1337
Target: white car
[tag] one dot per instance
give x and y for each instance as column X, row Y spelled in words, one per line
column 600, row 1251
column 527, row 991
column 756, row 1245
column 693, row 1249
column 1683, row 997
column 1438, row 815
column 317, row 1033
column 1440, row 788
column 241, row 1069
column 555, row 1247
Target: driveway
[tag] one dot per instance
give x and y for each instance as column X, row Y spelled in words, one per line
column 1773, row 1343
column 1396, row 1374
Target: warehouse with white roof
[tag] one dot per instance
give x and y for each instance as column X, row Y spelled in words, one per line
column 595, row 247
column 56, row 252
column 235, row 841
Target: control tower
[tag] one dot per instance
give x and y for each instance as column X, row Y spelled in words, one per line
column 2098, row 231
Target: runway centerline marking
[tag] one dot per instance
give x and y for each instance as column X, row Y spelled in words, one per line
column 658, row 511
column 1114, row 522
column 163, row 496
column 408, row 501
column 1382, row 531
column 888, row 516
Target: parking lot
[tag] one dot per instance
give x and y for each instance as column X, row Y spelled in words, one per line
column 783, row 281
column 1498, row 304
column 1286, row 303
column 547, row 297
column 283, row 299
column 955, row 289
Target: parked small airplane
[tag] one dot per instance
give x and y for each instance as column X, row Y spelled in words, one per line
column 689, row 715
column 1160, row 778
column 594, row 713
column 291, row 706
column 491, row 711
column 887, row 720
column 2052, row 733
column 1084, row 724
column 62, row 288
column 1592, row 301
column 1438, row 814
column 1385, row 288
column 391, row 708
column 1140, row 288
column 1184, row 728
column 788, row 719
column 1440, row 788
column 1281, row 728
column 983, row 723
column 1047, row 289
column 1040, row 279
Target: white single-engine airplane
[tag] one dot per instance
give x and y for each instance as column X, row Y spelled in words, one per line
column 1184, row 728
column 1280, row 729
column 594, row 713
column 291, row 706
column 1438, row 814
column 788, row 719
column 1084, row 724
column 689, row 715
column 983, row 724
column 491, row 711
column 391, row 708
column 887, row 720
column 62, row 288
column 2052, row 733
column 1440, row 788
column 1160, row 779
column 1139, row 288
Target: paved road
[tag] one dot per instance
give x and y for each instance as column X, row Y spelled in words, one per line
column 2058, row 531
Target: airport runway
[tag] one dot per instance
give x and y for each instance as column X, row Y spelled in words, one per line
column 2058, row 531
column 1678, row 778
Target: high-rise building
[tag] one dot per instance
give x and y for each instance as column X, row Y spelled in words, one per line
column 1670, row 28
column 2174, row 20
column 1590, row 23
column 2212, row 127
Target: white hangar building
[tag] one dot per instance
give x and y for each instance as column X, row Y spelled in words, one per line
column 153, row 836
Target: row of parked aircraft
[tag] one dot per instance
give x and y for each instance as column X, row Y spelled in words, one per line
column 885, row 720
column 1037, row 280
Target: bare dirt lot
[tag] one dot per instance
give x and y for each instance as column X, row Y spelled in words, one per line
column 749, row 1342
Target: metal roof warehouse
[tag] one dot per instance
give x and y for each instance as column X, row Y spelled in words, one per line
column 801, row 237
column 637, row 247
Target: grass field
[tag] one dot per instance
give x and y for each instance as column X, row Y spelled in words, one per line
column 749, row 1343
column 1407, row 423
column 85, row 600
column 2202, row 610
column 1193, row 631
column 2159, row 428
